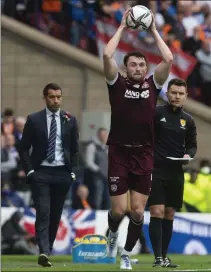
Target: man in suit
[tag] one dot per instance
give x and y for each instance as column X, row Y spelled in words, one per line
column 52, row 135
column 18, row 130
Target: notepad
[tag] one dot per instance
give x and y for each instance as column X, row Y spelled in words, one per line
column 179, row 159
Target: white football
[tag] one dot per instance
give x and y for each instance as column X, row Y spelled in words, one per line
column 139, row 18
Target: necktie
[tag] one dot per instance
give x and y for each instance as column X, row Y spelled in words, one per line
column 52, row 140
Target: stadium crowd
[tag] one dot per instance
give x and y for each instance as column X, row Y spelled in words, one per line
column 90, row 189
column 184, row 25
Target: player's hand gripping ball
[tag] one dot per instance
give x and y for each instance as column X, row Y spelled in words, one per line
column 139, row 18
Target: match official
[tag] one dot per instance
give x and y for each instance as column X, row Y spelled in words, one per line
column 175, row 136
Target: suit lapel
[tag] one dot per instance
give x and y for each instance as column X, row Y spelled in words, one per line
column 62, row 125
column 44, row 123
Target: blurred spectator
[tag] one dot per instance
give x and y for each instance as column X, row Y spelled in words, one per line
column 147, row 3
column 18, row 130
column 4, row 153
column 159, row 20
column 94, row 9
column 20, row 185
column 182, row 24
column 207, row 27
column 9, row 156
column 189, row 21
column 190, row 45
column 47, row 17
column 168, row 12
column 21, row 10
column 7, row 125
column 10, row 145
column 179, row 27
column 82, row 28
column 197, row 193
column 96, row 159
column 10, row 198
column 80, row 199
column 170, row 37
column 11, row 167
column 205, row 168
column 15, row 9
column 15, row 240
column 77, row 27
column 204, row 57
column 53, row 8
column 193, row 43
column 190, row 182
column 43, row 22
column 118, row 9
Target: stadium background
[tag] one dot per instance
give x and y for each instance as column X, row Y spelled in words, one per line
column 62, row 41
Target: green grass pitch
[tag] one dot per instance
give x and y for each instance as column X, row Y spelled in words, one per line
column 64, row 263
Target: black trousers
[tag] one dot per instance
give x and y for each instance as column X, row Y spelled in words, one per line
column 49, row 186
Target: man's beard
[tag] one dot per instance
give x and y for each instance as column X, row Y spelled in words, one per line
column 140, row 79
column 52, row 109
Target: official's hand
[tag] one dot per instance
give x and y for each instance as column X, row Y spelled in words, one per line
column 153, row 25
column 73, row 176
column 21, row 174
column 123, row 22
column 186, row 156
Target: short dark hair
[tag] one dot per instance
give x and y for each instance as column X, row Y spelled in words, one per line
column 133, row 54
column 8, row 112
column 50, row 86
column 204, row 162
column 177, row 82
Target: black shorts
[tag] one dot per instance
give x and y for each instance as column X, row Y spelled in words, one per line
column 167, row 188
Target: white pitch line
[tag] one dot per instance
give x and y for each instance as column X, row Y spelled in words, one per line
column 190, row 270
column 184, row 270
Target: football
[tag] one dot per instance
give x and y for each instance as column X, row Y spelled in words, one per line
column 139, row 18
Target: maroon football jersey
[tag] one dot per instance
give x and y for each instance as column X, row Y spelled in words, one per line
column 132, row 111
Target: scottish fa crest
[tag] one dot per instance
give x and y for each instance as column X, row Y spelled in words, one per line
column 182, row 122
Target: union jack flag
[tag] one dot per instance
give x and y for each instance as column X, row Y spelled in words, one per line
column 73, row 224
column 82, row 222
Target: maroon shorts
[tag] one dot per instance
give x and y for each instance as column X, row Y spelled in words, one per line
column 129, row 168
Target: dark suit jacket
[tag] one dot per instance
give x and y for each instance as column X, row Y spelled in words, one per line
column 35, row 135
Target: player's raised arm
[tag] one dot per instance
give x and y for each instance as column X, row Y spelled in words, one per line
column 110, row 65
column 163, row 69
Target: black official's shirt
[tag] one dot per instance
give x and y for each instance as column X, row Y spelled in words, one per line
column 175, row 135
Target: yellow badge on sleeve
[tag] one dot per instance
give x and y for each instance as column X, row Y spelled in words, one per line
column 182, row 122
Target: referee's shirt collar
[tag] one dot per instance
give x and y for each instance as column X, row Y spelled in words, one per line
column 49, row 113
column 170, row 107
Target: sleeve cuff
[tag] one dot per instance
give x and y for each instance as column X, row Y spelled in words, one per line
column 30, row 172
column 158, row 86
column 112, row 82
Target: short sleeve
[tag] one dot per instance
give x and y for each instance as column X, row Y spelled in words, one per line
column 158, row 87
column 112, row 82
